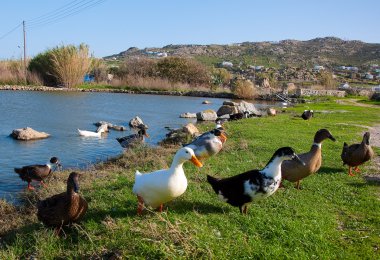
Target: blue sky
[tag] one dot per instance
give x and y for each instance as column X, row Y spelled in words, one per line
column 112, row 26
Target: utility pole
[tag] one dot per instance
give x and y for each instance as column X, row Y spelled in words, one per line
column 23, row 28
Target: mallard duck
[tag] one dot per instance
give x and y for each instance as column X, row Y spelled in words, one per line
column 295, row 172
column 64, row 208
column 307, row 114
column 209, row 143
column 158, row 187
column 126, row 141
column 357, row 154
column 98, row 133
column 37, row 172
column 252, row 185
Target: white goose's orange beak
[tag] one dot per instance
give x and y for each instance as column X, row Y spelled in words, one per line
column 195, row 161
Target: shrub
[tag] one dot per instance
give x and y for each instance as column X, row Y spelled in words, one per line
column 327, row 80
column 12, row 72
column 137, row 67
column 99, row 70
column 221, row 77
column 244, row 89
column 65, row 65
column 178, row 69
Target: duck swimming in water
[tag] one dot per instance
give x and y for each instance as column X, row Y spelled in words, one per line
column 129, row 140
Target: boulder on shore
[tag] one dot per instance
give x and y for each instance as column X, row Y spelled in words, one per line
column 242, row 108
column 28, row 133
column 207, row 115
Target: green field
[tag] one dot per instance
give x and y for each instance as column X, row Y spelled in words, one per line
column 333, row 216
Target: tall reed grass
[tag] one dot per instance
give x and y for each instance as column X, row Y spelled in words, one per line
column 70, row 64
column 12, row 73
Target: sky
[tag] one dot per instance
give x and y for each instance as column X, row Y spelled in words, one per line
column 112, row 26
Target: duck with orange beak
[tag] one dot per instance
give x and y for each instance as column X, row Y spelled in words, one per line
column 156, row 188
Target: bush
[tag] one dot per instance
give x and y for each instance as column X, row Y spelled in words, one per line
column 65, row 65
column 244, row 89
column 12, row 72
column 178, row 69
column 138, row 67
column 221, row 77
column 327, row 80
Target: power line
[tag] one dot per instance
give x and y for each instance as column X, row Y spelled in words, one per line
column 68, row 12
column 11, row 31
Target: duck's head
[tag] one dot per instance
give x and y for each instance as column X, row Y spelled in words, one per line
column 55, row 161
column 366, row 137
column 323, row 134
column 142, row 132
column 73, row 183
column 219, row 132
column 187, row 154
column 287, row 153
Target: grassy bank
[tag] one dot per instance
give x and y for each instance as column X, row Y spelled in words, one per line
column 333, row 216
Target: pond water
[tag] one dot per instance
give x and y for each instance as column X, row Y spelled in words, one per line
column 62, row 113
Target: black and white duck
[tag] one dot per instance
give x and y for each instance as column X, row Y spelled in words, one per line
column 37, row 172
column 252, row 185
column 128, row 140
column 307, row 114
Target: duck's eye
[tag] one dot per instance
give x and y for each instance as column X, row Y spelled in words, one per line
column 187, row 151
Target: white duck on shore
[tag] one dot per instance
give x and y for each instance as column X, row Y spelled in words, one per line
column 158, row 187
column 98, row 133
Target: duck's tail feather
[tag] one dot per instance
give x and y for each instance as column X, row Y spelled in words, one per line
column 214, row 182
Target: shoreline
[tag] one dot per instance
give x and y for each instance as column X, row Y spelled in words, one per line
column 194, row 93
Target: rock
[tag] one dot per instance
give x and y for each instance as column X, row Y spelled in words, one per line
column 248, row 107
column 190, row 129
column 111, row 126
column 226, row 110
column 206, row 102
column 207, row 115
column 136, row 121
column 271, row 111
column 229, row 103
column 188, row 115
column 28, row 134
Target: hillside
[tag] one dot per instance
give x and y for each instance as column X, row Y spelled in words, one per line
column 328, row 51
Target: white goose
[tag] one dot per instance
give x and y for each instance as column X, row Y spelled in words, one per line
column 98, row 133
column 158, row 187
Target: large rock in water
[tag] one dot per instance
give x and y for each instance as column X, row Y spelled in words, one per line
column 226, row 110
column 207, row 115
column 28, row 133
column 250, row 108
column 136, row 122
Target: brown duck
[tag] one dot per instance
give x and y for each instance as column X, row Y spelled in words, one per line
column 37, row 172
column 64, row 208
column 295, row 172
column 357, row 154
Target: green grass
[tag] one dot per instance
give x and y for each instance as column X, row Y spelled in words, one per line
column 334, row 216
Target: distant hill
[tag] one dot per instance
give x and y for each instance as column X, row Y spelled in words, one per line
column 328, row 51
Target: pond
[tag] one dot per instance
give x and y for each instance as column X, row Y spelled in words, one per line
column 62, row 113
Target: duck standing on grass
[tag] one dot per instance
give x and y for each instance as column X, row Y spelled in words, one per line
column 295, row 172
column 209, row 143
column 64, row 208
column 307, row 114
column 252, row 185
column 158, row 187
column 37, row 172
column 357, row 154
column 129, row 140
